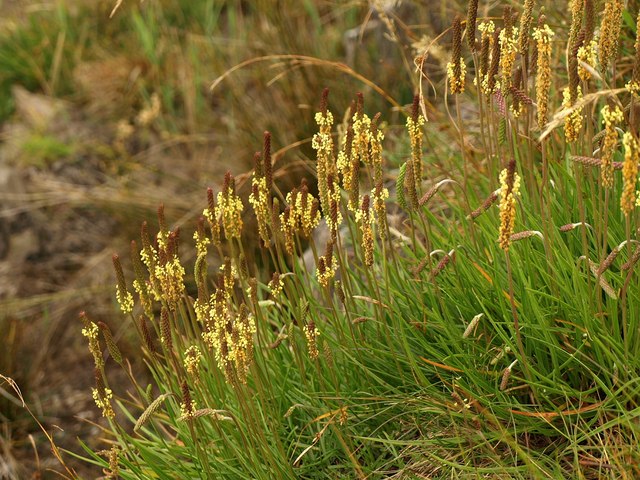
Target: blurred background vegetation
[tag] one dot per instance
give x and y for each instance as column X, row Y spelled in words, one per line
column 102, row 119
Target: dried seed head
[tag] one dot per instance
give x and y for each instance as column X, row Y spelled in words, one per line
column 472, row 325
column 506, row 375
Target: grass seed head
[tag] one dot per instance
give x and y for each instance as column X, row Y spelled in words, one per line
column 573, row 121
column 610, row 32
column 629, row 173
column 509, row 190
column 611, row 118
column 229, row 208
column 311, row 334
column 543, row 35
column 187, row 406
column 525, row 27
column 472, row 18
column 456, row 68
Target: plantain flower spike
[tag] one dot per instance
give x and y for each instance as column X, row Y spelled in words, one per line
column 509, row 190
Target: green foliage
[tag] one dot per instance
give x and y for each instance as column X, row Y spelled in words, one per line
column 449, row 355
column 41, row 150
column 38, row 55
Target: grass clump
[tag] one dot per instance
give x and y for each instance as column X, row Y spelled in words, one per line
column 485, row 323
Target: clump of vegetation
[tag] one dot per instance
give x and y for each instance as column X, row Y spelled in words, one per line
column 492, row 330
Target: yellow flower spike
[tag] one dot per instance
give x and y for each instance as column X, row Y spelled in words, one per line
column 90, row 331
column 456, row 68
column 610, row 118
column 415, row 122
column 543, row 36
column 508, row 39
column 311, row 334
column 509, row 190
column 192, row 359
column 322, row 143
column 629, row 173
column 365, row 220
column 610, row 32
column 573, row 121
column 229, row 208
column 123, row 296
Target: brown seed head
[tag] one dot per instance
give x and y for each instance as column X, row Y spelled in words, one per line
column 146, row 335
column 472, row 18
column 324, row 100
column 165, row 329
column 114, row 351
